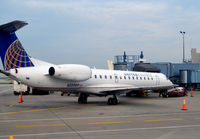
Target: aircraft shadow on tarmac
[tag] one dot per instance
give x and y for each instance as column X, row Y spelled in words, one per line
column 139, row 102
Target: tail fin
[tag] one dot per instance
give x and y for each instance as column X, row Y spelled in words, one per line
column 12, row 53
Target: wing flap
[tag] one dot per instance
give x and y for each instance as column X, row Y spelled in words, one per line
column 129, row 89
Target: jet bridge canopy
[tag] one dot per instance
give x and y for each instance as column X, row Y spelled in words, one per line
column 145, row 67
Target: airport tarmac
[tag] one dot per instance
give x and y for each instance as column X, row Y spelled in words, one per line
column 60, row 117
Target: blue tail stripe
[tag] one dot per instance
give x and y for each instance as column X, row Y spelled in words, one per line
column 10, row 38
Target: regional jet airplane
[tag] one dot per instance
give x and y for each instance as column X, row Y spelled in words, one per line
column 73, row 78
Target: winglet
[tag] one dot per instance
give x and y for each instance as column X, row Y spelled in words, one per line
column 12, row 26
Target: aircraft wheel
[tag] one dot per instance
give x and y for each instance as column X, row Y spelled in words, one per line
column 79, row 100
column 109, row 101
column 112, row 101
column 115, row 101
column 83, row 99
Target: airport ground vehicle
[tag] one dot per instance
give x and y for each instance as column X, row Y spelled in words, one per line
column 26, row 90
column 20, row 88
column 177, row 92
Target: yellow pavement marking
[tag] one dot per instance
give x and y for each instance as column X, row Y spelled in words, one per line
column 198, row 118
column 120, row 122
column 11, row 137
column 22, row 111
column 11, row 105
column 36, row 110
column 129, row 100
column 40, row 125
column 56, row 108
column 161, row 120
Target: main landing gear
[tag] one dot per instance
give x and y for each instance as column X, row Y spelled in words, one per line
column 113, row 100
column 82, row 99
column 163, row 93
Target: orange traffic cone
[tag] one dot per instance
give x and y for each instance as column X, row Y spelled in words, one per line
column 20, row 98
column 192, row 92
column 184, row 105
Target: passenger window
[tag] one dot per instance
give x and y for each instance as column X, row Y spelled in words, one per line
column 129, row 77
column 100, row 76
column 151, row 78
column 137, row 78
column 125, row 77
column 110, row 76
column 133, row 77
column 144, row 78
column 120, row 77
column 148, row 78
column 105, row 77
column 140, row 78
column 95, row 76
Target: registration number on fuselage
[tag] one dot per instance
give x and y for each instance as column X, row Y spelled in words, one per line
column 73, row 85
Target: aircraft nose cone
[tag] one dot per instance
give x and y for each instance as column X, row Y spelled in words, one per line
column 171, row 84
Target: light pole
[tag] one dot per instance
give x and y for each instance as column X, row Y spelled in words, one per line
column 183, row 33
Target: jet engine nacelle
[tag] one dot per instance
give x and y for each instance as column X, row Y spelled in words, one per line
column 71, row 72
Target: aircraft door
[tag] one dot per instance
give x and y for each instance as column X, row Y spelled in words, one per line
column 157, row 80
column 116, row 78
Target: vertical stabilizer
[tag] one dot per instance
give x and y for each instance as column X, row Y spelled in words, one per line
column 12, row 53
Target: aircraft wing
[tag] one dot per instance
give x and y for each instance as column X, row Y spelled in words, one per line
column 129, row 89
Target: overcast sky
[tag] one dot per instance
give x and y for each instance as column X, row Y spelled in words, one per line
column 91, row 31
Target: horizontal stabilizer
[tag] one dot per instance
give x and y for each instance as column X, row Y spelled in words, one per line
column 5, row 72
column 12, row 26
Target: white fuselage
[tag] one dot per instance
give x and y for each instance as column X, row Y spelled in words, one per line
column 100, row 80
column 72, row 78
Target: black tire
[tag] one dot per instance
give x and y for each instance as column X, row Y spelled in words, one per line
column 16, row 93
column 114, row 101
column 82, row 99
column 79, row 101
column 109, row 101
column 164, row 96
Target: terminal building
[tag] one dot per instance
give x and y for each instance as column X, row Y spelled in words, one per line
column 125, row 62
column 195, row 56
column 186, row 74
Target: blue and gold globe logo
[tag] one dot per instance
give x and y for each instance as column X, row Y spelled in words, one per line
column 16, row 57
